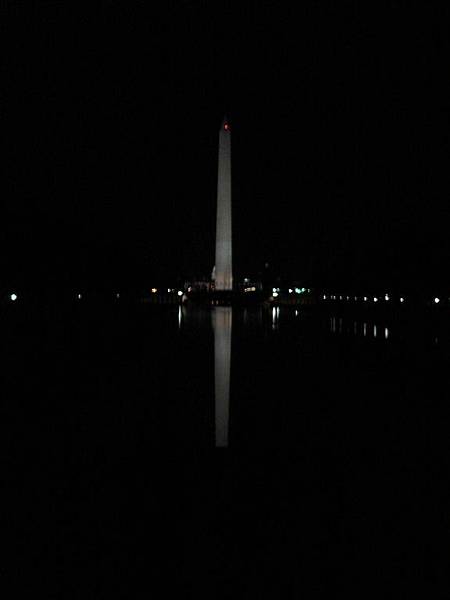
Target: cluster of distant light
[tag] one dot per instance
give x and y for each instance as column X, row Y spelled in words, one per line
column 276, row 292
column 13, row 297
column 297, row 290
column 169, row 291
column 387, row 298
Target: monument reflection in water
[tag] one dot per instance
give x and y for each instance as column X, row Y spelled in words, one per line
column 221, row 322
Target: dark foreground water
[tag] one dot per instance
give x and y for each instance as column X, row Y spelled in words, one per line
column 220, row 453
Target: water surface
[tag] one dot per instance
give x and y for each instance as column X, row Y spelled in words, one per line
column 216, row 446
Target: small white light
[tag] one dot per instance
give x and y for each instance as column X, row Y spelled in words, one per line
column 275, row 294
column 348, row 297
column 180, row 293
column 386, row 297
column 365, row 298
column 340, row 297
column 436, row 300
column 324, row 297
column 169, row 290
column 117, row 295
column 386, row 333
column 356, row 298
column 296, row 313
column 298, row 291
column 290, row 290
column 274, row 290
column 154, row 290
column 13, row 297
column 79, row 296
column 375, row 299
column 402, row 300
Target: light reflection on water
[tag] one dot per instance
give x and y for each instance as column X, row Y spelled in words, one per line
column 281, row 325
column 278, row 325
column 222, row 323
column 333, row 324
column 357, row 328
column 275, row 316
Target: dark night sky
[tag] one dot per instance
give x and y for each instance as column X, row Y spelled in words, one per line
column 110, row 117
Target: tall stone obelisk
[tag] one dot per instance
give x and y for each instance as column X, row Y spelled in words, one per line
column 223, row 267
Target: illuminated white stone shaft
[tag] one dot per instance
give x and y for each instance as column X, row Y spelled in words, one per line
column 223, row 269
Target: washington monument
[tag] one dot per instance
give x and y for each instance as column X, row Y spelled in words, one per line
column 223, row 267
